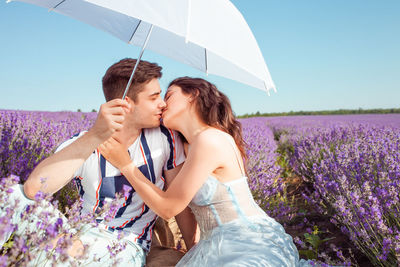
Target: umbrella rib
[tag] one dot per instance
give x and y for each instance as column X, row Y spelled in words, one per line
column 137, row 26
column 188, row 21
column 206, row 59
column 51, row 9
column 138, row 60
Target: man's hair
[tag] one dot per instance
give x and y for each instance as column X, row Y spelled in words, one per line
column 117, row 77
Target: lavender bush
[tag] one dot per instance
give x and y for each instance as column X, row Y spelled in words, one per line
column 354, row 169
column 355, row 173
column 271, row 183
column 43, row 236
column 262, row 170
column 28, row 137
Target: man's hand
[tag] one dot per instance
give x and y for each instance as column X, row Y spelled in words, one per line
column 110, row 119
column 59, row 168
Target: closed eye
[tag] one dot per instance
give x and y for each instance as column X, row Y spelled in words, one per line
column 167, row 96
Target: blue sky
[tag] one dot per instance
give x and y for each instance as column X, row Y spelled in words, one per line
column 321, row 54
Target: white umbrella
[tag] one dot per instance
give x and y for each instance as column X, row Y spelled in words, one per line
column 210, row 35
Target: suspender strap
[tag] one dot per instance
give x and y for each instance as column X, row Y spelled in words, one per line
column 234, row 147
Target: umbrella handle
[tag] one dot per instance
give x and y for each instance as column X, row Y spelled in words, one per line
column 137, row 62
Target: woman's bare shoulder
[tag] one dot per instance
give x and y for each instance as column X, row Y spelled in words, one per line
column 208, row 146
column 212, row 138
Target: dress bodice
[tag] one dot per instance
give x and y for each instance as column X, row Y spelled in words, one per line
column 217, row 203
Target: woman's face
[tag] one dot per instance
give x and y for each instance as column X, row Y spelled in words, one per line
column 177, row 104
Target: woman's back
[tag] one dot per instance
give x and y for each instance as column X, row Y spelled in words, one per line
column 226, row 197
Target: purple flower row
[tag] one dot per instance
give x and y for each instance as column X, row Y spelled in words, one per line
column 354, row 169
column 27, row 137
column 264, row 174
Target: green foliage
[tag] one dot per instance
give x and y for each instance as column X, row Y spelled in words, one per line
column 279, row 132
column 315, row 242
column 284, row 150
column 8, row 245
column 66, row 196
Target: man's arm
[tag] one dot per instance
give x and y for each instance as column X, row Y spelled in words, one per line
column 186, row 221
column 57, row 170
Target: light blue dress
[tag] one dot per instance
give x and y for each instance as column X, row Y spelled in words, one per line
column 235, row 231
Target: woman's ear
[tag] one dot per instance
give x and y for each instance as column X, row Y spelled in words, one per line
column 194, row 96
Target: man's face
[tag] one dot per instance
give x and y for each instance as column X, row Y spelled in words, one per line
column 149, row 105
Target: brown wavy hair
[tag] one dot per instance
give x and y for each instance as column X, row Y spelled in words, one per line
column 117, row 76
column 213, row 107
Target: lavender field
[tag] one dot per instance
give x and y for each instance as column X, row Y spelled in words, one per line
column 332, row 181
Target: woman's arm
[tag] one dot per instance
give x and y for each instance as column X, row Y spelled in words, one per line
column 203, row 158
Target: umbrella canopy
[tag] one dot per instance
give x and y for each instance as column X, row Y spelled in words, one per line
column 209, row 35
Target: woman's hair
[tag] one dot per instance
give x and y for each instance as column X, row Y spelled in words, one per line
column 213, row 107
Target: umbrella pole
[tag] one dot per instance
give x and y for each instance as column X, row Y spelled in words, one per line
column 137, row 62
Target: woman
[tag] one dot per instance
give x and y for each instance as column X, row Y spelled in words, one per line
column 212, row 181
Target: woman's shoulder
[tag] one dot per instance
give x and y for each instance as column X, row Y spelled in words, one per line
column 212, row 138
column 208, row 146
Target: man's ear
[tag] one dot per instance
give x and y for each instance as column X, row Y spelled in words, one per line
column 130, row 101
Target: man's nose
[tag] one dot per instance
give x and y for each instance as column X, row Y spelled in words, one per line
column 162, row 104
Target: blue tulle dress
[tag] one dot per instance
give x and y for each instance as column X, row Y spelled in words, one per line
column 235, row 231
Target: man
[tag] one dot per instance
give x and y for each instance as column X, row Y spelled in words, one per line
column 156, row 150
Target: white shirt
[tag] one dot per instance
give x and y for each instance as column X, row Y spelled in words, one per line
column 155, row 150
